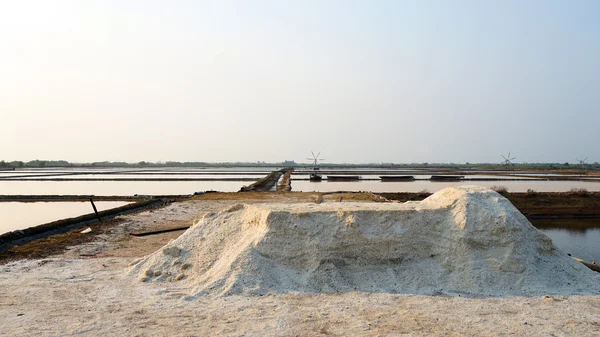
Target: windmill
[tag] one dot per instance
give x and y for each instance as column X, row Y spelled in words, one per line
column 315, row 159
column 315, row 176
column 582, row 163
column 508, row 161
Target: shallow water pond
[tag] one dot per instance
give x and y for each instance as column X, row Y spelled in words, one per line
column 579, row 237
column 20, row 215
column 8, row 187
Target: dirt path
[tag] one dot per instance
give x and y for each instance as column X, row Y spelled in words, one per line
column 92, row 298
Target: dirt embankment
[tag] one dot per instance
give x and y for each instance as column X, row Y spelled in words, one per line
column 56, row 244
column 54, row 237
column 556, row 204
column 536, row 204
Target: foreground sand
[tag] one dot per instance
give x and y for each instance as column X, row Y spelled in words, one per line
column 85, row 292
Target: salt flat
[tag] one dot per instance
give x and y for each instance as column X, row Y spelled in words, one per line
column 73, row 294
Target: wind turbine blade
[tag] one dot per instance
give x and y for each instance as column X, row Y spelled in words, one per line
column 313, row 154
column 318, row 154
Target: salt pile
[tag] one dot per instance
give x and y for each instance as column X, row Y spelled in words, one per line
column 468, row 240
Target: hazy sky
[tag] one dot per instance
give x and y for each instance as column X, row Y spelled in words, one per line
column 360, row 81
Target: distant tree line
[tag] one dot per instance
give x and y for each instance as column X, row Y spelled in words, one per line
column 63, row 163
column 35, row 163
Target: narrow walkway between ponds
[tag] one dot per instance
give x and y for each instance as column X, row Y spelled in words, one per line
column 269, row 182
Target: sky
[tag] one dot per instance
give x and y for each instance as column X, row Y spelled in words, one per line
column 359, row 81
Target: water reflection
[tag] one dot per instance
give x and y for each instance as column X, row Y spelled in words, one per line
column 574, row 231
column 582, row 244
column 579, row 237
column 115, row 187
column 210, row 176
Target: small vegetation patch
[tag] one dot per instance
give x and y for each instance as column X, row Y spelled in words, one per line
column 582, row 192
column 499, row 189
column 531, row 193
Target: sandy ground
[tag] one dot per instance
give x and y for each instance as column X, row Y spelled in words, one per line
column 85, row 292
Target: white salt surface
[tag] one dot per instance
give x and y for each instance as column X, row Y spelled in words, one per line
column 459, row 241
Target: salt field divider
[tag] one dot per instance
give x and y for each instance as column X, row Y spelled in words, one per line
column 267, row 183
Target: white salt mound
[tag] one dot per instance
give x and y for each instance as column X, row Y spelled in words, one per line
column 460, row 241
